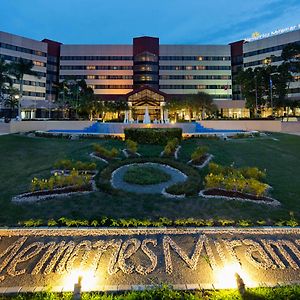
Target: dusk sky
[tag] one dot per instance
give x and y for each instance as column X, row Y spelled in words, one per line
column 173, row 21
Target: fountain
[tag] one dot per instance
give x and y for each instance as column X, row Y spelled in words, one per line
column 146, row 116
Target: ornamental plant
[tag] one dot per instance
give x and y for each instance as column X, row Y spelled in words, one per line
column 105, row 153
column 171, row 147
column 67, row 164
column 60, row 180
column 131, row 146
column 199, row 153
column 246, row 180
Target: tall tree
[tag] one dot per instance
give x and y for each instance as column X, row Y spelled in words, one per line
column 11, row 99
column 200, row 104
column 18, row 69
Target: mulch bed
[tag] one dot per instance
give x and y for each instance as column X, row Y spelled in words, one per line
column 235, row 194
column 201, row 160
column 65, row 190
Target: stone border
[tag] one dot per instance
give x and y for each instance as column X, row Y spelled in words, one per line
column 124, row 288
column 274, row 202
column 204, row 164
column 175, row 153
column 20, row 198
column 113, row 174
column 93, row 155
column 93, row 173
column 172, row 196
column 127, row 155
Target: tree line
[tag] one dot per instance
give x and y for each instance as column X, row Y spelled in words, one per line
column 268, row 86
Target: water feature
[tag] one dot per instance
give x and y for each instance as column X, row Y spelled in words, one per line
column 118, row 128
column 146, row 116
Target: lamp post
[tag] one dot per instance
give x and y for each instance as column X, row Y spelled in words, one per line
column 17, row 97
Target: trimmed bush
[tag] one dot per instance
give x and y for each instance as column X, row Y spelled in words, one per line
column 60, row 181
column 171, row 147
column 198, row 154
column 131, row 146
column 158, row 136
column 105, row 153
column 246, row 180
column 67, row 164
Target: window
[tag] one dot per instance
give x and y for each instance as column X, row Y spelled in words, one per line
column 91, row 67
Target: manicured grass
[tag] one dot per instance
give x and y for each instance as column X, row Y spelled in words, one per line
column 23, row 158
column 144, row 175
column 278, row 293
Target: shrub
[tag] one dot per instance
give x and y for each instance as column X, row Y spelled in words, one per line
column 131, row 146
column 158, row 136
column 67, row 164
column 198, row 154
column 242, row 180
column 105, row 153
column 59, row 181
column 171, row 147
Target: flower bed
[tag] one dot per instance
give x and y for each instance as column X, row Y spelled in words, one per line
column 244, row 184
column 104, row 154
column 192, row 184
column 61, row 183
column 217, row 193
column 171, row 149
column 57, row 192
column 200, row 158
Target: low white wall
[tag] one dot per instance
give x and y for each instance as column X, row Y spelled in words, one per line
column 274, row 126
column 25, row 126
column 291, row 127
column 4, row 127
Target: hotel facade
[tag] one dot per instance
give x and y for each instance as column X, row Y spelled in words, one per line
column 145, row 73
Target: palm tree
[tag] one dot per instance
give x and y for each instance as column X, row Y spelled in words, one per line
column 18, row 69
column 11, row 100
column 5, row 79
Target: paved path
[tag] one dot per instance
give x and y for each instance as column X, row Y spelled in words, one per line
column 118, row 182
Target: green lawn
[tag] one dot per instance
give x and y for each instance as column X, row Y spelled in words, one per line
column 23, row 157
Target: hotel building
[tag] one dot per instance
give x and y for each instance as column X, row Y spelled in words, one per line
column 145, row 73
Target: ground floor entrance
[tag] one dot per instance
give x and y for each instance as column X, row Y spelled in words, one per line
column 146, row 105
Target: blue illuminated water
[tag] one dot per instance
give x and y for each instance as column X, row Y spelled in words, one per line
column 118, row 128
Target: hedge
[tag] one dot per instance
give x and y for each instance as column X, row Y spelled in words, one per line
column 190, row 187
column 152, row 135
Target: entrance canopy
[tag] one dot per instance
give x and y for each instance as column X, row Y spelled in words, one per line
column 146, row 96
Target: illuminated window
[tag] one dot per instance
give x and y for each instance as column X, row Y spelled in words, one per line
column 200, row 58
column 91, row 86
column 38, row 63
column 91, row 67
column 91, row 77
column 200, row 67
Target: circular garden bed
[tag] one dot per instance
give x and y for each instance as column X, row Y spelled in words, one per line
column 156, row 175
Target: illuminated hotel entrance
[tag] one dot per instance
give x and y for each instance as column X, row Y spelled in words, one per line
column 147, row 98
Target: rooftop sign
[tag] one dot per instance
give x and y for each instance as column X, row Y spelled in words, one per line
column 256, row 36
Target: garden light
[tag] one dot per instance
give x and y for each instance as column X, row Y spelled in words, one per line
column 231, row 276
column 80, row 280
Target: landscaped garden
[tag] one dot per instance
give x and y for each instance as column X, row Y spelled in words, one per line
column 264, row 167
